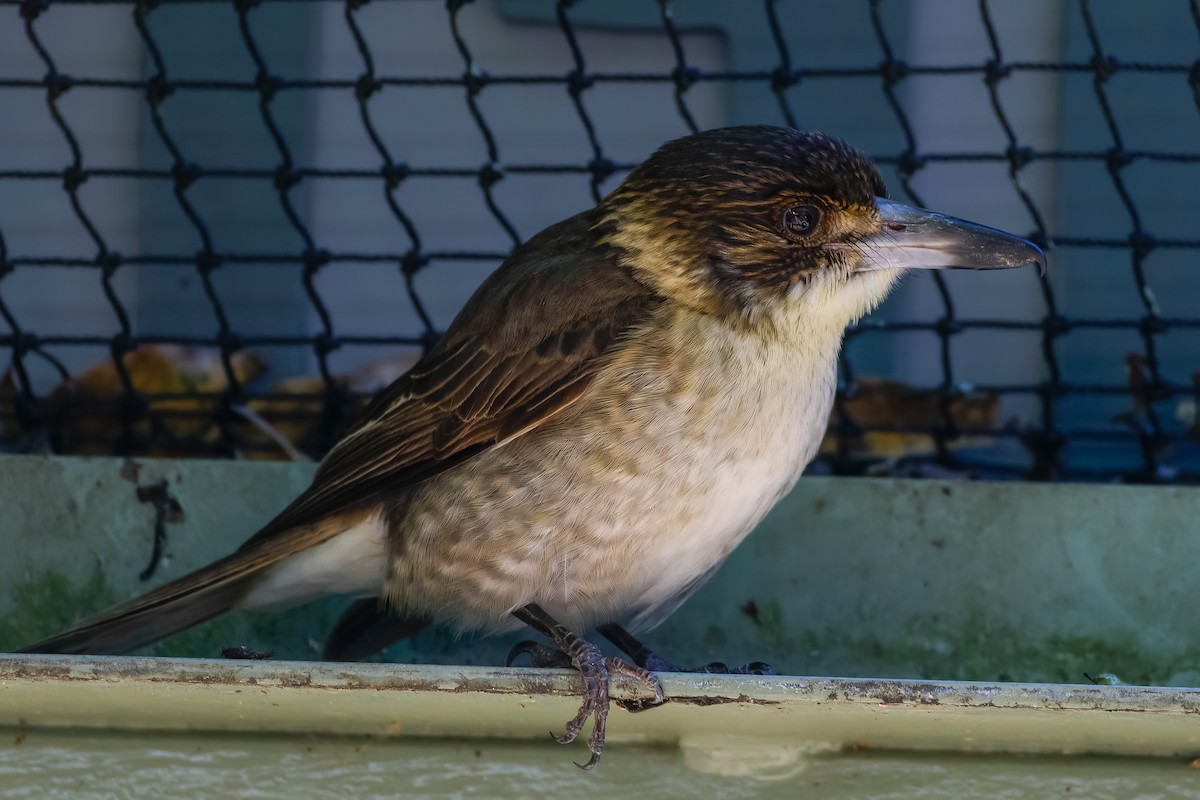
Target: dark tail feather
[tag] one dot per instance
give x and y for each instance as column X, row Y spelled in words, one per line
column 171, row 608
column 365, row 628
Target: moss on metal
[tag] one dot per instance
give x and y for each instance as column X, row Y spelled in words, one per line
column 48, row 603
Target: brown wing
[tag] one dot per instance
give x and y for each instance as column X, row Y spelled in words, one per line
column 526, row 345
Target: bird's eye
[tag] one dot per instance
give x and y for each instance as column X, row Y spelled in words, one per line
column 801, row 220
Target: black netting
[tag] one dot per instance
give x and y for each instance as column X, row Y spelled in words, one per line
column 149, row 332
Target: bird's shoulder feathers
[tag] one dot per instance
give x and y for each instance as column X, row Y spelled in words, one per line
column 524, row 347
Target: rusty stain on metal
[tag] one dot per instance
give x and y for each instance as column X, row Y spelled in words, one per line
column 167, row 510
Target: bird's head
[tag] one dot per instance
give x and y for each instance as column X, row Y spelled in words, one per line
column 758, row 219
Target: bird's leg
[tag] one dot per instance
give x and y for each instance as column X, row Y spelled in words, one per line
column 645, row 657
column 642, row 656
column 593, row 667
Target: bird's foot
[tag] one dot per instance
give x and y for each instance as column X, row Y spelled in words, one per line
column 644, row 657
column 544, row 657
column 593, row 667
column 644, row 676
column 595, row 670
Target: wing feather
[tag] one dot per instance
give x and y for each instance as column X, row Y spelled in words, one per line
column 498, row 372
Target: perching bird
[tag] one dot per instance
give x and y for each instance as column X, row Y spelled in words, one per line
column 613, row 410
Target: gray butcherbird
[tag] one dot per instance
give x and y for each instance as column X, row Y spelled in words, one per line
column 614, row 409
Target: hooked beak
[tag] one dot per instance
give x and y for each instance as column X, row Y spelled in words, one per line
column 913, row 238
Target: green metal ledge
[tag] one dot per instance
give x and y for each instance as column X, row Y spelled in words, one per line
column 990, row 601
column 784, row 714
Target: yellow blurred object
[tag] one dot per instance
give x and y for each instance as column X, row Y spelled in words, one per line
column 1188, row 411
column 88, row 406
column 288, row 421
column 1139, row 378
column 278, row 427
column 896, row 407
column 1142, row 390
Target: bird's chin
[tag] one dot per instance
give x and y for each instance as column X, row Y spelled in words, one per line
column 843, row 297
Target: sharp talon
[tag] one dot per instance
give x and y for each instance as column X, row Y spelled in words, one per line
column 568, row 736
column 715, row 668
column 756, row 668
column 591, row 764
column 519, row 649
column 540, row 656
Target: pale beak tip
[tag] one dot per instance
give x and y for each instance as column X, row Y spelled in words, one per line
column 1034, row 256
column 1039, row 259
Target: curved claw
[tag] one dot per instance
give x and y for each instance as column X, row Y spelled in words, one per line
column 566, row 738
column 539, row 655
column 591, row 764
column 519, row 649
column 755, row 668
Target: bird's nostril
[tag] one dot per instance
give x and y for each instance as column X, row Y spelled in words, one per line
column 896, row 226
